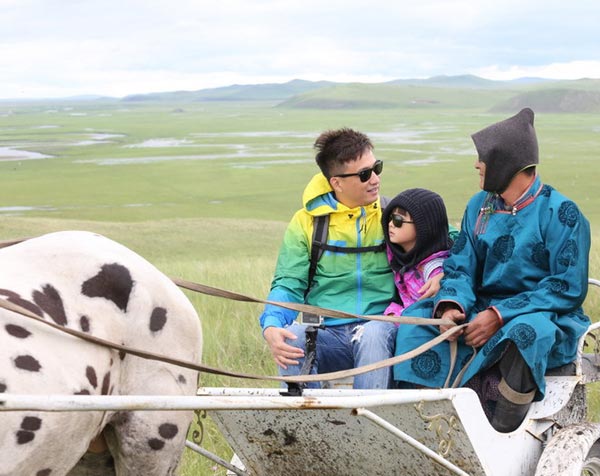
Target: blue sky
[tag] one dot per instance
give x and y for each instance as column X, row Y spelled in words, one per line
column 53, row 48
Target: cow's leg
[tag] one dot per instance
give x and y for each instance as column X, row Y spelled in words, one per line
column 98, row 461
column 150, row 443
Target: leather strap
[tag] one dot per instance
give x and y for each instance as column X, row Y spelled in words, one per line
column 321, row 311
column 513, row 396
column 5, row 244
column 212, row 370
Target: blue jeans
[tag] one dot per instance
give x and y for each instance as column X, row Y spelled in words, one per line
column 348, row 346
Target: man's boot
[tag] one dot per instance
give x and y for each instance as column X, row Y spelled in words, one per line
column 511, row 408
column 517, row 389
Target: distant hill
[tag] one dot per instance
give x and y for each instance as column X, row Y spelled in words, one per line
column 553, row 100
column 462, row 81
column 463, row 92
column 389, row 95
column 236, row 92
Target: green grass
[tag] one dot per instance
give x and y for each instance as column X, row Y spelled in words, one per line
column 219, row 220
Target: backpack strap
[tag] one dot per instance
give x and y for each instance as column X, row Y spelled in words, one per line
column 319, row 238
column 349, row 249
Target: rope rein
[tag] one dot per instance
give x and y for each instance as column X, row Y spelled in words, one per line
column 217, row 292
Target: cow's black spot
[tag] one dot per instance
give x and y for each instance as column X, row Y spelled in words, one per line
column 113, row 282
column 181, row 379
column 31, row 423
column 44, row 472
column 82, row 392
column 156, row 444
column 51, row 303
column 105, row 383
column 27, row 362
column 19, row 301
column 3, row 387
column 17, row 331
column 122, row 354
column 168, row 430
column 158, row 319
column 24, row 437
column 90, row 373
column 84, row 323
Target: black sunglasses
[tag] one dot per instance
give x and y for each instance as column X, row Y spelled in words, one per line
column 398, row 220
column 365, row 175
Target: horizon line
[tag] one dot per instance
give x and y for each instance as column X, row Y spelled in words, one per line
column 96, row 96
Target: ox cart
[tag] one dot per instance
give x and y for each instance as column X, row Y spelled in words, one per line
column 413, row 432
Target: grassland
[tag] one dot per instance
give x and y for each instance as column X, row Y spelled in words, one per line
column 204, row 190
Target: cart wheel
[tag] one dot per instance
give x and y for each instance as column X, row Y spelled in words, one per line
column 591, row 465
column 572, row 451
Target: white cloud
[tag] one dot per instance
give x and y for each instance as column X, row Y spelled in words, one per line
column 120, row 47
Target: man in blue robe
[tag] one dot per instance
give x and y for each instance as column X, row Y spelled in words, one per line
column 517, row 274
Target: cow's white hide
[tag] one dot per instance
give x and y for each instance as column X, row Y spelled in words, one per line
column 92, row 284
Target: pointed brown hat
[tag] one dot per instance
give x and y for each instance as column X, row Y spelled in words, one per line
column 506, row 148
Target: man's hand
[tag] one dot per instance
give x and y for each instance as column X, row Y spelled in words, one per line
column 455, row 315
column 431, row 287
column 482, row 327
column 284, row 354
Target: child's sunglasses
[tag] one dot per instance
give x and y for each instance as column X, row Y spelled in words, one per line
column 365, row 175
column 398, row 220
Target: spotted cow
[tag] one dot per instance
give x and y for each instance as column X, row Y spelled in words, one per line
column 90, row 283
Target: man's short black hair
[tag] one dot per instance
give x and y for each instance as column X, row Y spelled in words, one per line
column 338, row 147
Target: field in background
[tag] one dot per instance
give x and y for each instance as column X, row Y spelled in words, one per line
column 138, row 162
column 204, row 190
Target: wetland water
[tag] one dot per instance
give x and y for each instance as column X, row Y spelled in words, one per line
column 10, row 153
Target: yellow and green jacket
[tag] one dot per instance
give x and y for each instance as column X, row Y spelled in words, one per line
column 359, row 283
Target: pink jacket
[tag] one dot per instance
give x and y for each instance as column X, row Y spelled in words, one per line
column 408, row 285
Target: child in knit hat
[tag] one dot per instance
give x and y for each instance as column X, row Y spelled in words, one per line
column 415, row 226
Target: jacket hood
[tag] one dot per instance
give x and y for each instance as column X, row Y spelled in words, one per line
column 318, row 197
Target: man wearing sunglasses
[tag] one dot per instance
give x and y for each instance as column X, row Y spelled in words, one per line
column 355, row 277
